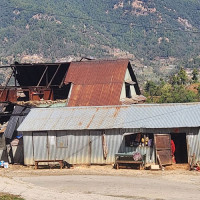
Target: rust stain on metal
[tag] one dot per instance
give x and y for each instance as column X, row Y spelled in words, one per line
column 96, row 82
column 80, row 123
column 90, row 121
column 8, row 95
column 116, row 112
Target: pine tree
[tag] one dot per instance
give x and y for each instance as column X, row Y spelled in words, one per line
column 182, row 76
column 195, row 75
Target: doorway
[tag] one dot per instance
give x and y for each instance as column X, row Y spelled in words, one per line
column 180, row 154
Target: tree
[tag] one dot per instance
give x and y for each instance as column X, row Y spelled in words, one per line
column 195, row 75
column 182, row 76
column 174, row 80
column 166, row 94
column 150, row 87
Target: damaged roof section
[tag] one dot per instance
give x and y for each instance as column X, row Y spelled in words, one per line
column 83, row 83
column 18, row 115
column 11, row 116
column 41, row 74
column 34, row 82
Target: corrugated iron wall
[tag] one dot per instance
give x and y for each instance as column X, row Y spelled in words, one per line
column 85, row 147
column 28, row 148
column 193, row 144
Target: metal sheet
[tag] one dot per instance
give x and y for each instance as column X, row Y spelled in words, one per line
column 163, row 116
column 77, row 118
column 12, row 124
column 28, row 148
column 96, row 147
column 96, row 82
column 193, row 144
column 40, row 146
column 77, row 150
column 107, row 117
column 99, row 94
column 52, row 145
column 8, row 95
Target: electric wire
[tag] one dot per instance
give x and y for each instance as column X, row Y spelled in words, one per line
column 103, row 21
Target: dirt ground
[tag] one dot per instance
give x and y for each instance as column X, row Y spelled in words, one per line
column 101, row 182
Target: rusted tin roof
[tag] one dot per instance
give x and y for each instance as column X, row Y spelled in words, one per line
column 74, row 118
column 96, row 82
column 111, row 117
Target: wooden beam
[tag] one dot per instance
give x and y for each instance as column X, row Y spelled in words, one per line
column 42, row 76
column 54, row 75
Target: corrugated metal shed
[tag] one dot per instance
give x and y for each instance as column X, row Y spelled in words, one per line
column 74, row 118
column 96, row 82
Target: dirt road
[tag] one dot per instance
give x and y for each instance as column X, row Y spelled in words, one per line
column 102, row 183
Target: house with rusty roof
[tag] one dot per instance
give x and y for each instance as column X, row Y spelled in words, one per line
column 102, row 82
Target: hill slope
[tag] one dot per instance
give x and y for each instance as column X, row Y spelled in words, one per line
column 102, row 28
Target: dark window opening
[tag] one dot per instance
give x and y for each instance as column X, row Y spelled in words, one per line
column 139, row 139
column 62, row 93
column 128, row 90
column 180, row 147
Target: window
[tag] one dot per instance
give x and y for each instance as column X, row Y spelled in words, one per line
column 128, row 90
column 61, row 139
column 139, row 139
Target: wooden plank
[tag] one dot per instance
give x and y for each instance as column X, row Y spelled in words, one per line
column 163, row 148
column 159, row 162
column 129, row 161
column 59, row 161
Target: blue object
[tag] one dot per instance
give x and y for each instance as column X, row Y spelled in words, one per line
column 19, row 136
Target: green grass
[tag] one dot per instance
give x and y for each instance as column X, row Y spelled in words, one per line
column 4, row 196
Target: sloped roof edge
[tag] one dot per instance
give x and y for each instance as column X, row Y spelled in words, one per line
column 111, row 117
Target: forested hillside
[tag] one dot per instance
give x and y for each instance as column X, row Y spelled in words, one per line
column 145, row 31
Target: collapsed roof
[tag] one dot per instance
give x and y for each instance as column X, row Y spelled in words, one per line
column 83, row 83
